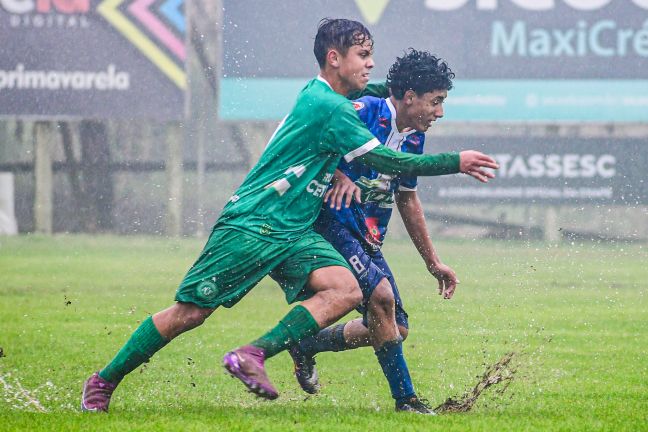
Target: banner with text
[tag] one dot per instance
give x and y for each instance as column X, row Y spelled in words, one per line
column 92, row 59
column 546, row 170
column 545, row 60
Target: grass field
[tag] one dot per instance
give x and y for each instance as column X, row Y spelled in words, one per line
column 576, row 315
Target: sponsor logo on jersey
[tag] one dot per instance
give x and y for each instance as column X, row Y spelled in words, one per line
column 316, row 188
column 358, row 105
column 373, row 232
column 379, row 190
column 383, row 122
column 414, row 139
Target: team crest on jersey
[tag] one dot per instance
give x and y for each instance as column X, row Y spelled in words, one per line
column 207, row 289
column 414, row 139
column 358, row 105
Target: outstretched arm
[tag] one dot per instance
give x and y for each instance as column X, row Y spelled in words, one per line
column 348, row 135
column 388, row 161
column 411, row 211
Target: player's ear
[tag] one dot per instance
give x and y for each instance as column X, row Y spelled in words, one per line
column 408, row 97
column 333, row 58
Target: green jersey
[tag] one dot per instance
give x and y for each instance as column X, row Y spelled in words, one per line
column 281, row 197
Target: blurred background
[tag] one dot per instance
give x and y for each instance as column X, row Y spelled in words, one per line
column 143, row 116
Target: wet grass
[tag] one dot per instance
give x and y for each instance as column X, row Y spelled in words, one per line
column 577, row 312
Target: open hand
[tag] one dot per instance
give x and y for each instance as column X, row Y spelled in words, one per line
column 447, row 280
column 343, row 190
column 472, row 163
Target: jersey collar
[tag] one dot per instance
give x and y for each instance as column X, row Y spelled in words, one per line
column 394, row 128
column 320, row 78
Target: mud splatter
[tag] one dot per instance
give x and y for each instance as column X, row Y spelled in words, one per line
column 501, row 372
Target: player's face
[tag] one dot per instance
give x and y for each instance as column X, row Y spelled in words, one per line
column 422, row 111
column 356, row 65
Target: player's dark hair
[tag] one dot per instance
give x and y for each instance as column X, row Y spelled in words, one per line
column 419, row 71
column 339, row 34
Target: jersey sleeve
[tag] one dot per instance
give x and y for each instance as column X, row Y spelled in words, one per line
column 388, row 161
column 346, row 134
column 408, row 183
column 378, row 90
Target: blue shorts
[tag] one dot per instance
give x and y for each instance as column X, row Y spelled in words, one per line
column 368, row 266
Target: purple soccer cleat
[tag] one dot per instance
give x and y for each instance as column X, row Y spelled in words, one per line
column 246, row 364
column 96, row 394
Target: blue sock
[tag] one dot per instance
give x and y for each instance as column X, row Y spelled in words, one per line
column 391, row 359
column 329, row 339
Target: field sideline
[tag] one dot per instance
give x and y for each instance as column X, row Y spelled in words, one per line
column 575, row 314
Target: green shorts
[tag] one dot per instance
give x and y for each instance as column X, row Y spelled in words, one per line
column 233, row 262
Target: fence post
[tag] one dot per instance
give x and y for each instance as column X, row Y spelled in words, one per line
column 8, row 223
column 174, row 174
column 551, row 228
column 42, row 178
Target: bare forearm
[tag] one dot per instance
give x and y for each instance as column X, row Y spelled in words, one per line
column 411, row 211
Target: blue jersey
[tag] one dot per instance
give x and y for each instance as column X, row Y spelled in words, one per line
column 368, row 220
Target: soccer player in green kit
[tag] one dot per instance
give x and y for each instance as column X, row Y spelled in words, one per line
column 266, row 227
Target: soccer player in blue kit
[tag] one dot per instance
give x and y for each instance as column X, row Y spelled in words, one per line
column 266, row 228
column 418, row 83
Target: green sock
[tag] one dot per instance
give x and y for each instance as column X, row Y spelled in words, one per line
column 145, row 341
column 296, row 325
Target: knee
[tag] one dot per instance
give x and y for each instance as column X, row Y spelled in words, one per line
column 404, row 331
column 192, row 315
column 346, row 290
column 382, row 299
column 354, row 294
column 336, row 285
column 350, row 291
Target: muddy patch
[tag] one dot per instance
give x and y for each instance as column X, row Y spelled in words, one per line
column 502, row 373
